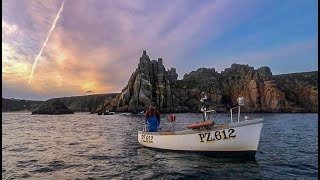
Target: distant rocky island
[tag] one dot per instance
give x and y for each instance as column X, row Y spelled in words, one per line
column 89, row 103
column 53, row 107
column 151, row 81
column 68, row 105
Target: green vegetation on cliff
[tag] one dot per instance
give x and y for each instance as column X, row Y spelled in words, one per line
column 76, row 103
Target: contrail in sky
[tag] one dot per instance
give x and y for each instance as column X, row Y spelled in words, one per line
column 45, row 42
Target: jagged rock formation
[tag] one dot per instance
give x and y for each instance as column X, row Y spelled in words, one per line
column 53, row 107
column 149, row 82
column 262, row 91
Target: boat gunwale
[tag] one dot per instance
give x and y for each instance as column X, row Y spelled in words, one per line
column 217, row 127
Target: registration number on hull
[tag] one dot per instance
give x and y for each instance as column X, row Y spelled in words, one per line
column 146, row 138
column 217, row 136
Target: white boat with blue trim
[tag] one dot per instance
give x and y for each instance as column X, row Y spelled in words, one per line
column 240, row 138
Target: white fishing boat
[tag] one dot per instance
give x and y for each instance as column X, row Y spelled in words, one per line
column 126, row 114
column 109, row 113
column 239, row 138
column 141, row 113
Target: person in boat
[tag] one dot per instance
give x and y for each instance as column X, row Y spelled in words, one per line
column 152, row 117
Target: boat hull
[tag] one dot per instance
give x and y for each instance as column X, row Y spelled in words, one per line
column 219, row 154
column 234, row 139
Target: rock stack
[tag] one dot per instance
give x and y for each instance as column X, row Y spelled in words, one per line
column 150, row 82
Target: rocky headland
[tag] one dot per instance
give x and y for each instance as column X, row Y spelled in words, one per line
column 263, row 91
column 9, row 105
column 89, row 103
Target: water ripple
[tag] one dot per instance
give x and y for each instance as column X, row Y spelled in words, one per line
column 84, row 146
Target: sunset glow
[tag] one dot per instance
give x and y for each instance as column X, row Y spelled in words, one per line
column 93, row 46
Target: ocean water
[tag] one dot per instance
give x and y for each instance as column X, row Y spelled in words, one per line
column 88, row 146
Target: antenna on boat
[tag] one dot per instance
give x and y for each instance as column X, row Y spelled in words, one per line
column 241, row 103
column 204, row 108
column 248, row 110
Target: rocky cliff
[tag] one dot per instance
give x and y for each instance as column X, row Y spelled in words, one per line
column 149, row 82
column 263, row 91
column 300, row 88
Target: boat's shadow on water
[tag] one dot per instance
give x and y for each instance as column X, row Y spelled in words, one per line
column 229, row 156
column 203, row 166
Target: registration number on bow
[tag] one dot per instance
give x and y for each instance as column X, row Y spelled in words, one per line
column 217, row 135
column 147, row 138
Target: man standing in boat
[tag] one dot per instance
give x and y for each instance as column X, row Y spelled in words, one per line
column 152, row 116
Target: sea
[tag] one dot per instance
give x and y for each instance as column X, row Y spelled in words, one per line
column 90, row 146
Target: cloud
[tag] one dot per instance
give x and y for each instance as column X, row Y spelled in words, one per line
column 61, row 68
column 45, row 42
column 89, row 91
column 14, row 66
column 8, row 28
column 96, row 44
column 99, row 49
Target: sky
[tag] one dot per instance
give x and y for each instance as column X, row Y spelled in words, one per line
column 93, row 46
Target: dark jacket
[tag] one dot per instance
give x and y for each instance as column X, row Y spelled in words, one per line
column 152, row 112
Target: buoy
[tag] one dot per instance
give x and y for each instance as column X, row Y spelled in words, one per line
column 172, row 117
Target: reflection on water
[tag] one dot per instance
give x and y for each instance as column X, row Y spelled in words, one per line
column 187, row 165
column 87, row 146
